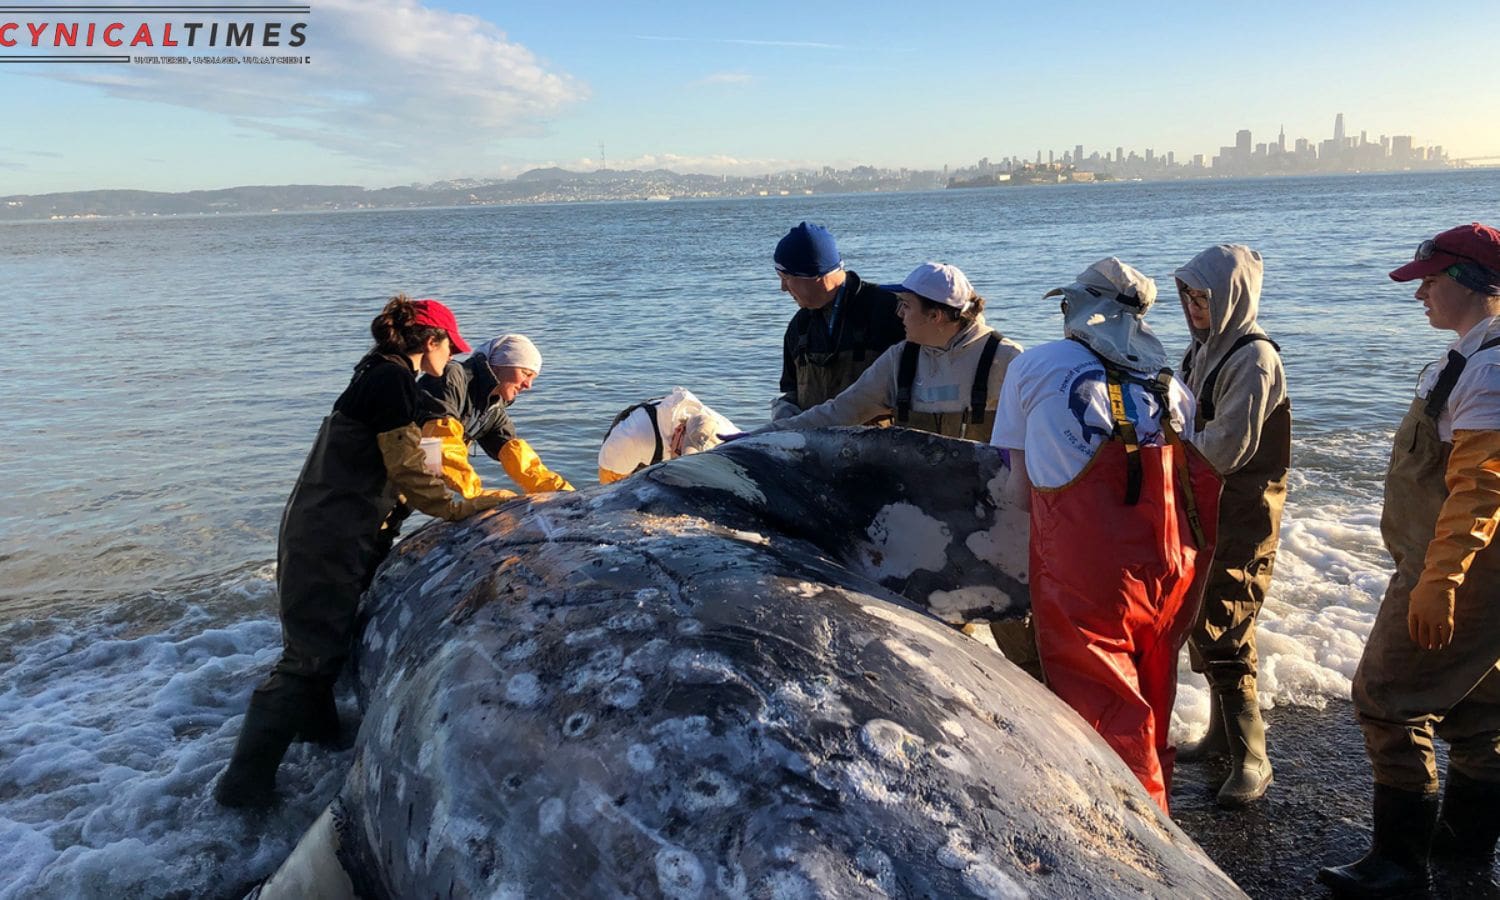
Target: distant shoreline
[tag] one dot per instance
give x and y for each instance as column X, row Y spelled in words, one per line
column 126, row 204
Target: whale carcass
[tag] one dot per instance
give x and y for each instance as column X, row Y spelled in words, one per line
column 730, row 676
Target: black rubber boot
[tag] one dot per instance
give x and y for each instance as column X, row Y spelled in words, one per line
column 1396, row 865
column 250, row 779
column 1215, row 741
column 1470, row 823
column 1251, row 772
column 320, row 719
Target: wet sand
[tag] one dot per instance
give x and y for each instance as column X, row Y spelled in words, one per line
column 1316, row 813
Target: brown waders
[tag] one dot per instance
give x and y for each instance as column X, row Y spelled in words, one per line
column 1222, row 643
column 1404, row 694
column 338, row 524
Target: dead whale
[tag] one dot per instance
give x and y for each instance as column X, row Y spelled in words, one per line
column 727, row 676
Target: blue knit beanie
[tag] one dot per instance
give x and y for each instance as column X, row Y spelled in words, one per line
column 808, row 251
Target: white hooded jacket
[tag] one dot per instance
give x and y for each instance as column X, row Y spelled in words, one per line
column 1252, row 383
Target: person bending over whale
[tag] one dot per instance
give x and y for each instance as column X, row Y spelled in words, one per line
column 647, row 433
column 466, row 403
column 365, row 466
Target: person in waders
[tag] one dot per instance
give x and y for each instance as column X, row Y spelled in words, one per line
column 1429, row 665
column 1244, row 427
column 1123, row 513
column 365, row 467
column 653, row 431
column 943, row 378
column 467, row 403
column 841, row 327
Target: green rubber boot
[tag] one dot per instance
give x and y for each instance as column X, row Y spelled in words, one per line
column 1250, row 774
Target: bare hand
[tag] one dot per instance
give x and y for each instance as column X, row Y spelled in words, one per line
column 1429, row 616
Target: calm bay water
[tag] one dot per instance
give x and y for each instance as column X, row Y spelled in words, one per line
column 166, row 377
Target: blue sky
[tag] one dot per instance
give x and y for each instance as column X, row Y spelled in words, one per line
column 402, row 91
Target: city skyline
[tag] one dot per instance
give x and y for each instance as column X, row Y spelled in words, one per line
column 398, row 92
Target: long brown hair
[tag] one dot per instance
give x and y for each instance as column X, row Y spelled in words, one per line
column 976, row 306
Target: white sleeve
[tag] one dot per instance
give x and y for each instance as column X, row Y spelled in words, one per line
column 1010, row 415
column 1475, row 405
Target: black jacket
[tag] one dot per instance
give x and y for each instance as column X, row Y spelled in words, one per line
column 865, row 326
column 463, row 392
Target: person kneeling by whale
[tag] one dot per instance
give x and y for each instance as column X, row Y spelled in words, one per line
column 944, row 378
column 1123, row 513
column 647, row 433
column 466, row 403
column 366, row 465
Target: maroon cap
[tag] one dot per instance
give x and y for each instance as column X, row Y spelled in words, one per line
column 430, row 312
column 1474, row 243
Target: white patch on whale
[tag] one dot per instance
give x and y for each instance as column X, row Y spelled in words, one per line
column 940, row 679
column 703, row 667
column 910, row 621
column 523, row 689
column 950, row 605
column 889, row 742
column 987, row 881
column 710, row 470
column 679, row 875
column 551, row 815
column 904, row 539
column 640, row 758
column 708, row 789
column 624, row 692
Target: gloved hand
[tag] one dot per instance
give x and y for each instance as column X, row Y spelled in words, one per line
column 527, row 469
column 405, row 466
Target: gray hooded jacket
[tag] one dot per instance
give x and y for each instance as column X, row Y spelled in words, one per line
column 1252, row 382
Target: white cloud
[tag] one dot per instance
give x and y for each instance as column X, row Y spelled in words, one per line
column 390, row 82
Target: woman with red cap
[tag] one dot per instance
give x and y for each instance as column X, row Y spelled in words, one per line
column 1429, row 666
column 366, row 465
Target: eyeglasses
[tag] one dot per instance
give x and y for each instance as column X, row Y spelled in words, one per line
column 1198, row 297
column 1427, row 248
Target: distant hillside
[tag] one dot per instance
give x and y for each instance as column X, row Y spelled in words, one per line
column 547, row 185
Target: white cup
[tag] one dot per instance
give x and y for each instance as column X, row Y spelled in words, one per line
column 432, row 455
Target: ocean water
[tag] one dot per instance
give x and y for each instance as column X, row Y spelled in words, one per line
column 166, row 377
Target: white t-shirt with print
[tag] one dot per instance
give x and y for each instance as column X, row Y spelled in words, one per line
column 1054, row 405
column 1474, row 404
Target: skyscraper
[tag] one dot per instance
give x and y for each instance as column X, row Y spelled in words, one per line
column 1281, row 140
column 1242, row 143
column 1338, row 131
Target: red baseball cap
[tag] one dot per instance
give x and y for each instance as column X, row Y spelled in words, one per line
column 1474, row 243
column 430, row 312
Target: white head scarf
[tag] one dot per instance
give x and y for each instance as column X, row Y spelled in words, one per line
column 1106, row 309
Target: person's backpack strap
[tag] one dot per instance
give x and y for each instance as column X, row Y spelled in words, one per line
column 1206, row 402
column 906, row 376
column 1448, row 378
column 979, row 395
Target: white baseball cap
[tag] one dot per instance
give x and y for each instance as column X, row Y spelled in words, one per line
column 940, row 283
